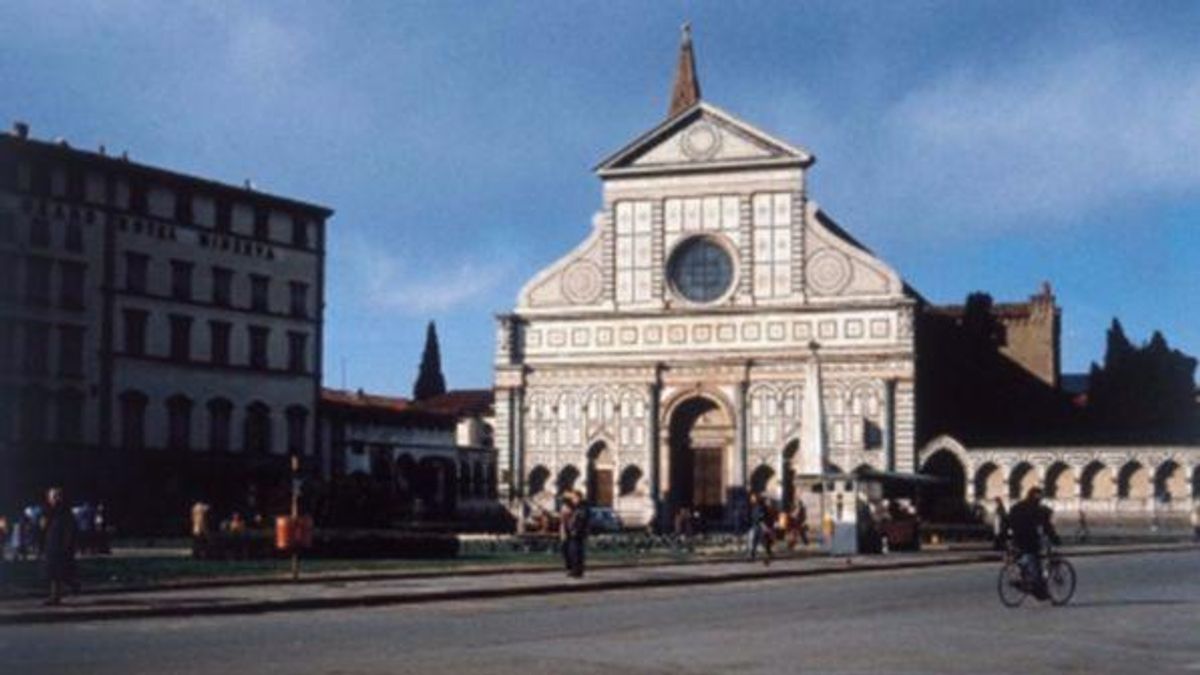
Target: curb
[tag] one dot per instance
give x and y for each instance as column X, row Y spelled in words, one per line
column 45, row 616
column 317, row 578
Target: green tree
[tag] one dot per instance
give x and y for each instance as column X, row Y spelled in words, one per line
column 430, row 381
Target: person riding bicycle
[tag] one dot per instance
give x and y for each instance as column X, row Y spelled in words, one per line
column 1029, row 521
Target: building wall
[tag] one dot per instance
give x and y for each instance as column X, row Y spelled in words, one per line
column 602, row 347
column 1032, row 337
column 159, row 375
column 120, row 208
column 39, row 363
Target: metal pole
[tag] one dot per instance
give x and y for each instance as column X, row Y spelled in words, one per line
column 295, row 517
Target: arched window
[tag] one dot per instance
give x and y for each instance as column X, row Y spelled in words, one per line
column 179, row 423
column 133, row 419
column 220, row 414
column 760, row 479
column 257, row 430
column 1170, row 482
column 1133, row 482
column 1096, row 482
column 297, row 423
column 1021, row 480
column 567, row 478
column 1060, row 481
column 539, row 476
column 631, row 478
column 989, row 482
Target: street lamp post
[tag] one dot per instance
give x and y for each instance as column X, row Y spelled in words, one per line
column 295, row 517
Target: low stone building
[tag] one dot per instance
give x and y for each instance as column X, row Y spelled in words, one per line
column 995, row 421
column 427, row 459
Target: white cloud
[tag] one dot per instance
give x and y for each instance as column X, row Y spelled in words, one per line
column 394, row 284
column 264, row 50
column 1048, row 139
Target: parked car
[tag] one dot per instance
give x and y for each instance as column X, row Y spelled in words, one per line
column 603, row 519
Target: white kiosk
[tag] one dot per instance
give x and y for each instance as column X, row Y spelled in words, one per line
column 834, row 497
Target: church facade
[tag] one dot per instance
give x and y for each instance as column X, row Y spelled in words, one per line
column 664, row 363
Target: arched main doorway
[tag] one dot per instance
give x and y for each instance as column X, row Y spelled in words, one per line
column 701, row 435
column 945, row 500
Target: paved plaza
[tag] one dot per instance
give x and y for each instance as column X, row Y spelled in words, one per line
column 1132, row 613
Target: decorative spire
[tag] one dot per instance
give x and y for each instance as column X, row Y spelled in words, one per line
column 686, row 92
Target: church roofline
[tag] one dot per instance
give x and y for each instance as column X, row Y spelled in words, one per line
column 611, row 165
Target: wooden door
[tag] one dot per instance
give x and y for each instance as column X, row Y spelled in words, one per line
column 708, row 484
column 601, row 488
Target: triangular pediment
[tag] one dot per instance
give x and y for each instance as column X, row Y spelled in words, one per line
column 703, row 136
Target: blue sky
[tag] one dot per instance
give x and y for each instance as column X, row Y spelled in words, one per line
column 974, row 145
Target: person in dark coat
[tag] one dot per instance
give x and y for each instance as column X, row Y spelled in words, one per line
column 61, row 535
column 754, row 531
column 566, row 515
column 575, row 528
column 1000, row 526
column 1030, row 521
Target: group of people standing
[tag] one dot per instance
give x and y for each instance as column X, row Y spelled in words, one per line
column 770, row 523
column 24, row 536
column 52, row 532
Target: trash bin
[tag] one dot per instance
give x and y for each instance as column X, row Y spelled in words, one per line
column 285, row 533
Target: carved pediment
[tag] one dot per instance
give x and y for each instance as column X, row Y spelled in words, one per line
column 838, row 266
column 575, row 281
column 702, row 136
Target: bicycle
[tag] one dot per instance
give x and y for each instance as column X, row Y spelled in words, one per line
column 1016, row 580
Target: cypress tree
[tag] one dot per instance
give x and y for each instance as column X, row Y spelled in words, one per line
column 430, row 381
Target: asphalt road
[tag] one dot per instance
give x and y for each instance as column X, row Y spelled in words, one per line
column 1131, row 614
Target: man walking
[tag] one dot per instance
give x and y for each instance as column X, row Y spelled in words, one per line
column 566, row 514
column 761, row 529
column 798, row 525
column 59, row 545
column 575, row 530
column 999, row 526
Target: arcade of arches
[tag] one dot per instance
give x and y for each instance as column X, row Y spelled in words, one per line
column 1107, row 481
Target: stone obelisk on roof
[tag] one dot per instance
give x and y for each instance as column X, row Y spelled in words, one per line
column 686, row 92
